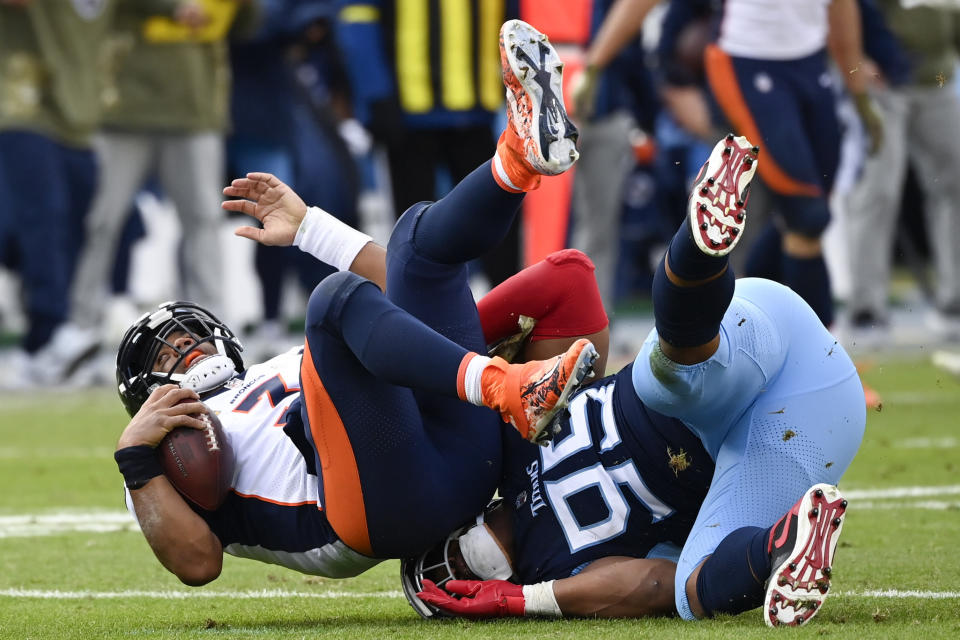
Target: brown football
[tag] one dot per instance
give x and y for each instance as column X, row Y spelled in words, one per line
column 198, row 462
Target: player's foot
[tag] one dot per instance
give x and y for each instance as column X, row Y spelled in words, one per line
column 717, row 203
column 530, row 395
column 539, row 133
column 801, row 551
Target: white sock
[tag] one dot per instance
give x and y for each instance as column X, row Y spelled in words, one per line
column 329, row 240
column 471, row 379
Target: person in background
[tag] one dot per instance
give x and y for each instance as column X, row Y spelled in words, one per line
column 49, row 109
column 921, row 114
column 425, row 79
column 165, row 104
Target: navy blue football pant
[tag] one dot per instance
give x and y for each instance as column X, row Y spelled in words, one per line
column 403, row 461
column 45, row 193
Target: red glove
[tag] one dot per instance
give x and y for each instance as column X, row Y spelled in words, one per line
column 481, row 598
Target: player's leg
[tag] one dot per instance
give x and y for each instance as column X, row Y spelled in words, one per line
column 360, row 349
column 762, row 100
column 802, row 430
column 691, row 361
column 432, row 241
column 426, row 256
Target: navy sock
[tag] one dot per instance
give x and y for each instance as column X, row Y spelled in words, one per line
column 688, row 261
column 810, row 279
column 766, row 255
column 469, row 221
column 731, row 580
column 389, row 342
column 690, row 316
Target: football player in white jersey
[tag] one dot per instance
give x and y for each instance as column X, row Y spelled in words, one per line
column 389, row 398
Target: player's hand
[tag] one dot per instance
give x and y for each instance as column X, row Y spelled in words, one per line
column 872, row 120
column 481, row 598
column 585, row 86
column 278, row 208
column 168, row 407
column 191, row 14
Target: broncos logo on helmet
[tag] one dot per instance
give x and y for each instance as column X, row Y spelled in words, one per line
column 140, row 345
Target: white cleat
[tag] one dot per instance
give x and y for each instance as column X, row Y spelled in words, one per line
column 717, row 203
column 801, row 550
column 533, row 76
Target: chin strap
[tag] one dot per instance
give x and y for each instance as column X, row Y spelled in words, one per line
column 207, row 374
column 483, row 554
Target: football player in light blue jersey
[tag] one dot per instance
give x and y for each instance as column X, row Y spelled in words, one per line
column 739, row 399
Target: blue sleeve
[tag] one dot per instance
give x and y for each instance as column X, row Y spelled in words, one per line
column 882, row 46
column 679, row 14
column 360, row 38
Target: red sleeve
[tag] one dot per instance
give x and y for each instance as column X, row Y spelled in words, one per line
column 560, row 293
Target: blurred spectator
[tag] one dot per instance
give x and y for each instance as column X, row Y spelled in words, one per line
column 921, row 125
column 165, row 100
column 609, row 105
column 425, row 78
column 768, row 73
column 287, row 91
column 49, row 107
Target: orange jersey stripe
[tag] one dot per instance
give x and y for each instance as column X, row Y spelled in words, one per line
column 342, row 491
column 282, row 504
column 726, row 90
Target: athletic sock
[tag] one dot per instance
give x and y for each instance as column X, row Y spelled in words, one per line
column 469, row 221
column 687, row 260
column 810, row 279
column 510, row 168
column 470, row 378
column 732, row 579
column 690, row 316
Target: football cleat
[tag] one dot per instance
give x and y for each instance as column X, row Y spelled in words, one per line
column 530, row 395
column 717, row 202
column 801, row 550
column 533, row 75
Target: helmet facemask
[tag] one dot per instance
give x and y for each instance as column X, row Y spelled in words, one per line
column 143, row 341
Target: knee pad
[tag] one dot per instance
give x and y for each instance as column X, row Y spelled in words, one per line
column 807, row 216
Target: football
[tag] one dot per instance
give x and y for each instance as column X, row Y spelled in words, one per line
column 198, row 462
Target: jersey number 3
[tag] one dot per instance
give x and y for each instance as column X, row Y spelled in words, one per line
column 610, row 481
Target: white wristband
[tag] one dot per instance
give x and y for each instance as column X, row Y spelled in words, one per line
column 540, row 601
column 328, row 239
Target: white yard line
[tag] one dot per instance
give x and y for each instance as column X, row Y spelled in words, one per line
column 900, row 492
column 102, row 521
column 328, row 595
column 927, row 443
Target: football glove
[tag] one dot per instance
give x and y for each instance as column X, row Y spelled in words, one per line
column 481, row 598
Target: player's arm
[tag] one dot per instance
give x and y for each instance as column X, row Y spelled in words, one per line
column 181, row 540
column 846, row 47
column 287, row 221
column 621, row 24
column 613, row 587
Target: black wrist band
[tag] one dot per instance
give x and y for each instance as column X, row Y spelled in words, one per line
column 138, row 465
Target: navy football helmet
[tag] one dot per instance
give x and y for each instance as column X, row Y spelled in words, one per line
column 136, row 378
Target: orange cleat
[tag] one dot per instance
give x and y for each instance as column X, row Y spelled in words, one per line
column 530, row 395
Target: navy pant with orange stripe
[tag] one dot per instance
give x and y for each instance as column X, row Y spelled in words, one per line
column 402, row 466
column 789, row 109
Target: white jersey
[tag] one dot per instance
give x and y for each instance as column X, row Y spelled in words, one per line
column 774, row 29
column 273, row 513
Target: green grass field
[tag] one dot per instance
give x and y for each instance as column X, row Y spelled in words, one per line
column 71, row 566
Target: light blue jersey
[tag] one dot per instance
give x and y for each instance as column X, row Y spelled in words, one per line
column 779, row 407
